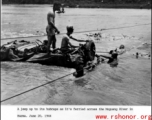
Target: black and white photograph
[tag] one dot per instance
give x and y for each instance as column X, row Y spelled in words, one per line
column 75, row 52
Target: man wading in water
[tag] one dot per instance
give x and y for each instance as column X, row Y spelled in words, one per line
column 50, row 30
column 112, row 58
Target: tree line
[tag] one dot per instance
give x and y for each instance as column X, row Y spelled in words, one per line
column 74, row 1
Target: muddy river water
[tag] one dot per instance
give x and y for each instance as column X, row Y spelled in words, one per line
column 127, row 84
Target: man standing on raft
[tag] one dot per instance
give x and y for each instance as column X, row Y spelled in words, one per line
column 51, row 29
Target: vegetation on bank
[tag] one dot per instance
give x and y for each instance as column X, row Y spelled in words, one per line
column 88, row 3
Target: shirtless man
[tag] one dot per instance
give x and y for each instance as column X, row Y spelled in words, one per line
column 112, row 58
column 66, row 45
column 51, row 29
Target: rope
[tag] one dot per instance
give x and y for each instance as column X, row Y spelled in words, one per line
column 78, row 31
column 127, row 26
column 39, row 86
column 35, row 87
column 43, row 84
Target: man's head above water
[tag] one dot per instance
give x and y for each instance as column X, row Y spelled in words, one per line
column 122, row 47
column 114, row 54
column 70, row 30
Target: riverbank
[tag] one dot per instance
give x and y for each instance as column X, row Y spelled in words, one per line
column 116, row 5
column 98, row 5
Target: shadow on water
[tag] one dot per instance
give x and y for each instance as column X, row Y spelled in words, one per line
column 81, row 82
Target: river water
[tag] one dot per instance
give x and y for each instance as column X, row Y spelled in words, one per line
column 127, row 84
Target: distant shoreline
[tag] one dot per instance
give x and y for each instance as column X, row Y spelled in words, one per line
column 104, row 5
column 119, row 6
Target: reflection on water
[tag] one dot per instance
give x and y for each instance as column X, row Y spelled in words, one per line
column 127, row 84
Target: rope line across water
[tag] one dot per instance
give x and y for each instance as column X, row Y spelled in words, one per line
column 41, row 85
column 79, row 31
column 36, row 87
